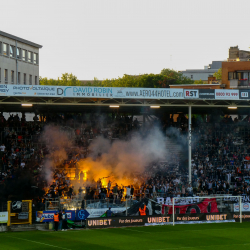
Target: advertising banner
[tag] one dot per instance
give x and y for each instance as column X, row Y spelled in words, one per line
column 116, row 222
column 121, row 93
column 81, row 215
column 206, row 94
column 3, row 217
column 97, row 212
column 89, row 92
column 48, row 216
column 244, row 94
column 163, row 220
column 33, row 90
column 245, row 207
column 227, row 94
column 205, row 206
column 134, row 93
column 191, row 93
column 16, row 206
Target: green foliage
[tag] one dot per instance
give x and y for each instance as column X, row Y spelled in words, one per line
column 65, row 80
column 95, row 83
column 163, row 80
column 199, row 82
column 218, row 74
column 174, row 77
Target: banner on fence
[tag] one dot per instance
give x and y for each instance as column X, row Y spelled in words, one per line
column 48, row 216
column 97, row 212
column 116, row 222
column 3, row 217
column 245, row 207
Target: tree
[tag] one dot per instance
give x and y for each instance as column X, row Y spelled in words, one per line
column 218, row 74
column 175, row 77
column 198, row 82
column 65, row 80
column 162, row 80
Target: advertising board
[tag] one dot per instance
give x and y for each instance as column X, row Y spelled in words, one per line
column 191, row 93
column 245, row 207
column 244, row 94
column 206, row 94
column 121, row 93
column 116, row 222
column 97, row 212
column 227, row 94
column 48, row 216
column 3, row 217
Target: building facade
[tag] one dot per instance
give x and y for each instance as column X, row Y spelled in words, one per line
column 202, row 74
column 236, row 74
column 19, row 60
column 235, row 54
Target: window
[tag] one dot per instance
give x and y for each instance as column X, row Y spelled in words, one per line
column 0, row 47
column 12, row 51
column 30, row 79
column 5, row 49
column 18, row 78
column 231, row 75
column 35, row 58
column 6, row 75
column 29, row 57
column 12, row 76
column 35, row 80
column 18, row 53
column 191, row 77
column 24, row 54
column 0, row 74
column 24, row 78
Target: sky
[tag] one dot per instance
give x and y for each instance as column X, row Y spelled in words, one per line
column 110, row 38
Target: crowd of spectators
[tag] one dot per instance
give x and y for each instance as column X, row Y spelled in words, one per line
column 220, row 158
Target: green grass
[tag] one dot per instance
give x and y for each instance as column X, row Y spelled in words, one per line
column 197, row 236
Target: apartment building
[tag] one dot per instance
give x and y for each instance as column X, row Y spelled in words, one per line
column 19, row 60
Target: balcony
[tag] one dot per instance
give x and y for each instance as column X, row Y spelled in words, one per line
column 240, row 84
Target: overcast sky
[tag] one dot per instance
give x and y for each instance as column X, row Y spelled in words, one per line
column 109, row 38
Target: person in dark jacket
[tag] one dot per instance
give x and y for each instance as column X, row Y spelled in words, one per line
column 64, row 221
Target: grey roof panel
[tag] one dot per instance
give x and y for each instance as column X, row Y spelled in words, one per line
column 20, row 39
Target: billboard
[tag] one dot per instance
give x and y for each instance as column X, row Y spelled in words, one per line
column 191, row 93
column 116, row 222
column 48, row 216
column 244, row 94
column 120, row 93
column 3, row 217
column 206, row 94
column 227, row 94
column 245, row 207
column 89, row 92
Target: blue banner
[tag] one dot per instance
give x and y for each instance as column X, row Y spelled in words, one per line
column 81, row 215
column 48, row 216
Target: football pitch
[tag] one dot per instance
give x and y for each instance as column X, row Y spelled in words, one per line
column 196, row 236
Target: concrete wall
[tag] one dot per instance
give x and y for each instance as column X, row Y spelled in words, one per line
column 9, row 63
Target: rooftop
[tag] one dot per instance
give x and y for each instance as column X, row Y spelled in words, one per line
column 20, row 39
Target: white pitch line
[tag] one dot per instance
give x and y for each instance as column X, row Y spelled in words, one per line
column 37, row 242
